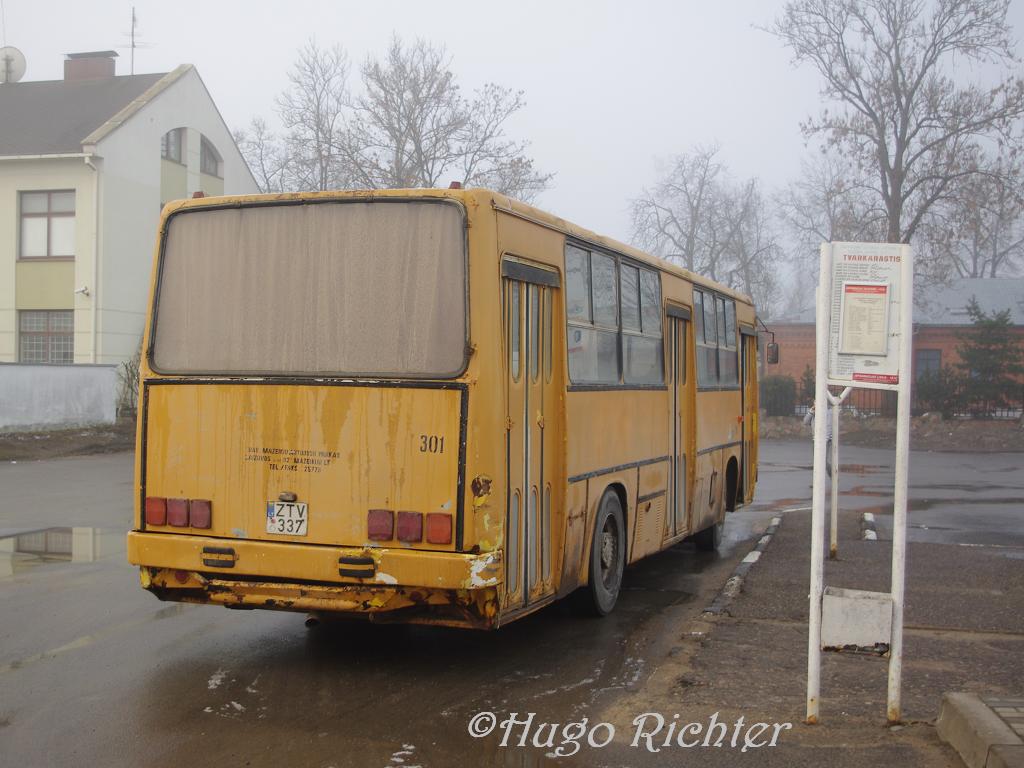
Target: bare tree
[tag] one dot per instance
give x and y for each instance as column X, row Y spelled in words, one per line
column 830, row 201
column 753, row 253
column 265, row 156
column 980, row 233
column 412, row 127
column 313, row 111
column 676, row 217
column 408, row 126
column 906, row 125
column 699, row 218
column 406, row 119
column 487, row 157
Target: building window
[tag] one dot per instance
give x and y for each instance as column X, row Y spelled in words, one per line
column 47, row 225
column 47, row 336
column 170, row 144
column 926, row 362
column 715, row 332
column 613, row 310
column 209, row 159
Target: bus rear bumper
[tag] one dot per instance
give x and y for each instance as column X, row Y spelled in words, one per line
column 374, row 583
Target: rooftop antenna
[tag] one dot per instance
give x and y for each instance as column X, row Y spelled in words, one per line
column 12, row 64
column 133, row 43
column 135, row 21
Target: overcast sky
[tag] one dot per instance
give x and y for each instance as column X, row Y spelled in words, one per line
column 611, row 87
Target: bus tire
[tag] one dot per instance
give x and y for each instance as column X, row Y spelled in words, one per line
column 607, row 555
column 710, row 539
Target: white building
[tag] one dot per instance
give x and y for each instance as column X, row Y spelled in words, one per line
column 86, row 163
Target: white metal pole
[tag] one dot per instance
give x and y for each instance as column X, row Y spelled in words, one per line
column 833, row 543
column 833, row 532
column 899, row 509
column 822, row 330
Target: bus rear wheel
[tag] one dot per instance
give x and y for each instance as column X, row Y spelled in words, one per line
column 607, row 555
column 710, row 539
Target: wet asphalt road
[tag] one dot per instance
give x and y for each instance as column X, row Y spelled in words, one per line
column 95, row 671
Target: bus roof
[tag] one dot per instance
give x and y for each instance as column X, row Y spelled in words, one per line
column 481, row 197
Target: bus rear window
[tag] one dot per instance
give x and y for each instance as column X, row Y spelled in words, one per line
column 352, row 288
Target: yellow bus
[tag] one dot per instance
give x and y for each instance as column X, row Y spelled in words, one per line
column 432, row 406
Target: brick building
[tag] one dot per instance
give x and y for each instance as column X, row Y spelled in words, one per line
column 940, row 317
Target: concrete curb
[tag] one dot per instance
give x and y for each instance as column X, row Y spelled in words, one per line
column 868, row 531
column 734, row 585
column 978, row 734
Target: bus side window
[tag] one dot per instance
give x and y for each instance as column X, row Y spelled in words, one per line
column 706, row 326
column 514, row 319
column 643, row 353
column 592, row 316
column 547, row 334
column 728, row 363
column 534, row 291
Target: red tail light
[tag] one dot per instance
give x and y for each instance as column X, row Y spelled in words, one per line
column 177, row 512
column 380, row 524
column 410, row 526
column 439, row 528
column 199, row 513
column 156, row 510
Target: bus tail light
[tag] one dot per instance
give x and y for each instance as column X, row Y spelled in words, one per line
column 156, row 510
column 177, row 513
column 380, row 524
column 439, row 528
column 200, row 514
column 410, row 526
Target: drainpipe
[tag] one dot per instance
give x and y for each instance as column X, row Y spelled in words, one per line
column 95, row 253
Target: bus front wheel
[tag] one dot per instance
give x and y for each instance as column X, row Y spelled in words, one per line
column 607, row 554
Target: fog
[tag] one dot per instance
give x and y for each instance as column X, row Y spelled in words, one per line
column 610, row 87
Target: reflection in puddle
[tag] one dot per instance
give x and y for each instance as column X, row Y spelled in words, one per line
column 23, row 550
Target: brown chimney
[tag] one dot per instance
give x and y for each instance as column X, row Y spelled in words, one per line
column 92, row 65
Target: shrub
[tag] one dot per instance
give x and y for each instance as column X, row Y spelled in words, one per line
column 807, row 385
column 128, row 373
column 778, row 395
column 941, row 391
column 991, row 359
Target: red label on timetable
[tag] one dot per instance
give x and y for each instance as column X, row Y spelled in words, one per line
column 856, row 288
column 877, row 378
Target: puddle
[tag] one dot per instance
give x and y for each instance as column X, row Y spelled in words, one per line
column 924, row 505
column 26, row 549
column 863, row 469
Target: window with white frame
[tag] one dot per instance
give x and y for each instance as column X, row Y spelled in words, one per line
column 171, row 145
column 46, row 336
column 209, row 158
column 47, row 224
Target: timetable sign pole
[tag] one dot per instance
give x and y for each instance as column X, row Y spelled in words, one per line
column 822, row 319
column 863, row 333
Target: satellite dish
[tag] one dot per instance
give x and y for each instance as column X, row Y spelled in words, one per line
column 12, row 64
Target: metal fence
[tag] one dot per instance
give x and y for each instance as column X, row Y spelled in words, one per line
column 882, row 403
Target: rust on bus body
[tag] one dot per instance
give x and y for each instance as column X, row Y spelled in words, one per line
column 348, row 446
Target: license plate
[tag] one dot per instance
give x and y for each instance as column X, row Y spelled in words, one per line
column 287, row 518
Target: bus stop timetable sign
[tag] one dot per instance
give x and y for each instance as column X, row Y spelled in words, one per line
column 864, row 338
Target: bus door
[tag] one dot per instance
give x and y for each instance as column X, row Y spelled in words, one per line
column 680, row 397
column 750, row 406
column 529, row 447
